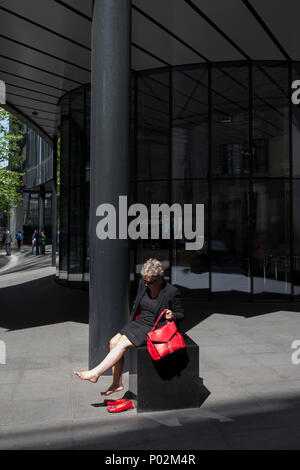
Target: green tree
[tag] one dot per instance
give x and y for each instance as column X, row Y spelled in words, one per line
column 11, row 161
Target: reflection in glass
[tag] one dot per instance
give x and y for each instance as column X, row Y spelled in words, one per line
column 190, row 123
column 296, row 219
column 64, row 190
column 271, row 238
column 74, row 186
column 191, row 143
column 271, row 120
column 190, row 268
column 153, row 126
column 230, row 120
column 153, row 192
column 230, row 238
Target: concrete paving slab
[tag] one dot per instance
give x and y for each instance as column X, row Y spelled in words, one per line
column 274, row 439
column 45, row 361
column 41, row 436
column 35, row 411
column 41, row 390
column 250, row 375
column 50, row 374
column 255, row 348
column 10, row 376
column 225, row 361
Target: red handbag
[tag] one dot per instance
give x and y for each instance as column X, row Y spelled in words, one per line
column 165, row 340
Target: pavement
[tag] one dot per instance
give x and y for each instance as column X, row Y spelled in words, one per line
column 252, row 398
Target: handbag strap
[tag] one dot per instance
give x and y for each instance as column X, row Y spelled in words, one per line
column 159, row 318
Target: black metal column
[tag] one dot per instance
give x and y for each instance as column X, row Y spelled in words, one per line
column 291, row 183
column 109, row 170
column 251, row 183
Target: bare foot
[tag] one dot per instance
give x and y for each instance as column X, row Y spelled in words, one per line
column 112, row 389
column 87, row 375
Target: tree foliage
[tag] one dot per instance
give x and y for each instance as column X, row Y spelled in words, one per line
column 10, row 186
column 11, row 161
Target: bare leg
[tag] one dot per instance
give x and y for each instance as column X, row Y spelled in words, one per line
column 110, row 360
column 117, row 385
column 117, row 369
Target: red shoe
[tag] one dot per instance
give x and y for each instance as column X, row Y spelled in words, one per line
column 121, row 407
column 115, row 402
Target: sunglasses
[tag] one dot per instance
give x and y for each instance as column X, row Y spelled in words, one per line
column 149, row 283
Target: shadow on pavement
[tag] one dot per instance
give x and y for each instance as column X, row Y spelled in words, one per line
column 271, row 423
column 238, row 425
column 41, row 302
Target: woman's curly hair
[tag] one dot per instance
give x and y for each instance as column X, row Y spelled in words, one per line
column 152, row 267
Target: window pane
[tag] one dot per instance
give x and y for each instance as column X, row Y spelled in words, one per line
column 63, row 238
column 230, row 239
column 153, row 126
column 230, row 120
column 296, row 218
column 296, row 127
column 77, row 177
column 153, row 193
column 271, row 238
column 271, row 120
column 190, row 123
column 190, row 268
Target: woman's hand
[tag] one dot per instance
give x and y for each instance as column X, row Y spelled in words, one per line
column 169, row 315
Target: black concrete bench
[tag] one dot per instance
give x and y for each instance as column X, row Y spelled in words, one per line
column 168, row 384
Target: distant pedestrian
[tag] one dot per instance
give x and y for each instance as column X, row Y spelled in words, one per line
column 7, row 242
column 3, row 239
column 43, row 243
column 38, row 241
column 33, row 241
column 19, row 238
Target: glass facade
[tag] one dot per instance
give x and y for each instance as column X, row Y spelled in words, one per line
column 74, row 187
column 225, row 135
column 31, row 210
column 37, row 203
column 39, row 160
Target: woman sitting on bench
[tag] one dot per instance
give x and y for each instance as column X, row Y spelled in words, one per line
column 154, row 295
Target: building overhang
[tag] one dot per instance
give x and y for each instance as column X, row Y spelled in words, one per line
column 46, row 45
